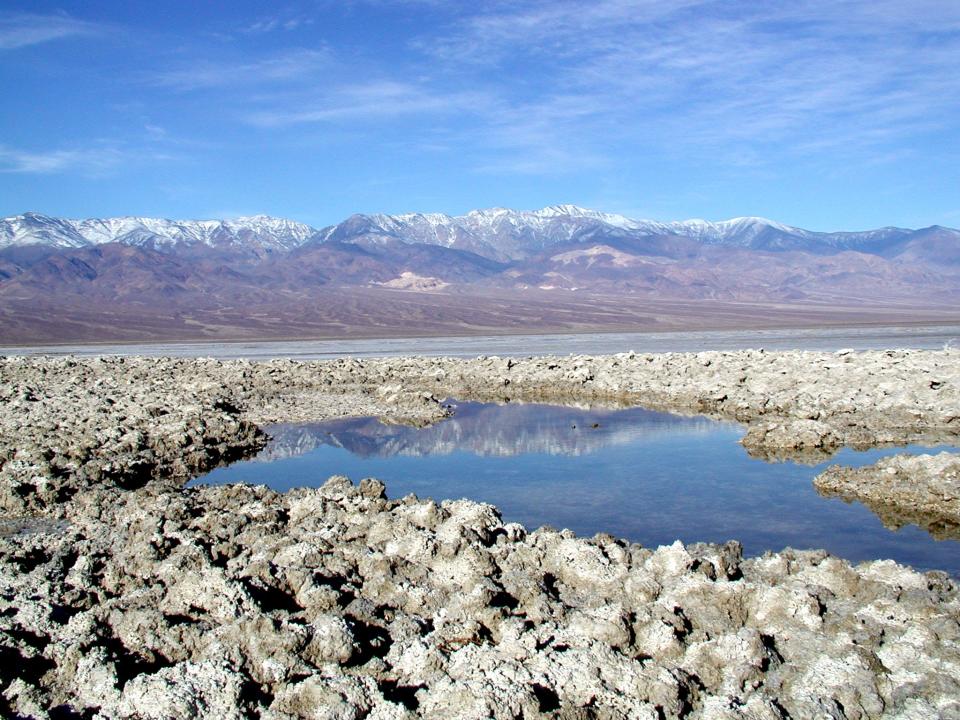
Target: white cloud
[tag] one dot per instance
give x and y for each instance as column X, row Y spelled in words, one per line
column 558, row 86
column 277, row 23
column 846, row 76
column 289, row 66
column 96, row 160
column 55, row 161
column 22, row 29
column 368, row 101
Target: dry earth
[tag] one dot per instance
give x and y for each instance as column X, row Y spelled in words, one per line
column 124, row 595
column 378, row 312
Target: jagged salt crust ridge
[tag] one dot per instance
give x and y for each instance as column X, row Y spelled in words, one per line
column 64, row 423
column 234, row 602
column 921, row 490
column 128, row 596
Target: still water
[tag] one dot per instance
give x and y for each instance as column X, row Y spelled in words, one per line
column 646, row 476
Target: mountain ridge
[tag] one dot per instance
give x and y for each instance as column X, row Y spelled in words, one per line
column 256, row 231
column 496, row 233
column 558, row 268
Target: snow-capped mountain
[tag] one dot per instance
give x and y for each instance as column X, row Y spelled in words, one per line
column 559, row 267
column 505, row 235
column 36, row 229
column 259, row 232
column 498, row 233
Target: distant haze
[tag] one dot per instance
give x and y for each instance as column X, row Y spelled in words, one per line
column 496, row 270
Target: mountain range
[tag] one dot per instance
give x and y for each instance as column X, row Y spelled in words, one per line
column 498, row 234
column 559, row 268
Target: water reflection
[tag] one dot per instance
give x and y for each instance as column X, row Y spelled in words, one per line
column 647, row 476
column 488, row 430
column 940, row 527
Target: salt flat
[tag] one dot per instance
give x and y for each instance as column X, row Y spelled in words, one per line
column 122, row 590
column 923, row 337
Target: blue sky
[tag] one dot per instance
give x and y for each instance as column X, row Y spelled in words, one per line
column 827, row 114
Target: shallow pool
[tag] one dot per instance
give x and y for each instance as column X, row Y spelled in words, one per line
column 646, row 476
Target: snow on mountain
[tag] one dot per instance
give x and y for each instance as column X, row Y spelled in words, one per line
column 255, row 232
column 34, row 229
column 504, row 235
column 279, row 233
column 499, row 234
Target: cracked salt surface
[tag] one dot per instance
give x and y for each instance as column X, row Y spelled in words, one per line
column 646, row 476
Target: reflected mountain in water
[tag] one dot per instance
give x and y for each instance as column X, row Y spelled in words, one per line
column 486, row 430
column 645, row 476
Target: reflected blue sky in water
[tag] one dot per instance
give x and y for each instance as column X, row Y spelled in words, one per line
column 649, row 477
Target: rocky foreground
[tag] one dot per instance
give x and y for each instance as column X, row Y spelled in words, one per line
column 122, row 594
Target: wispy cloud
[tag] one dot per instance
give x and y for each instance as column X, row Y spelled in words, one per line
column 556, row 86
column 277, row 23
column 55, row 161
column 22, row 29
column 370, row 101
column 558, row 29
column 288, row 66
column 97, row 160
column 731, row 78
column 155, row 132
column 541, row 137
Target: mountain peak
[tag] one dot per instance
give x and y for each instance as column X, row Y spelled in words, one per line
column 564, row 209
column 498, row 233
column 490, row 212
column 259, row 217
column 255, row 232
column 755, row 220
